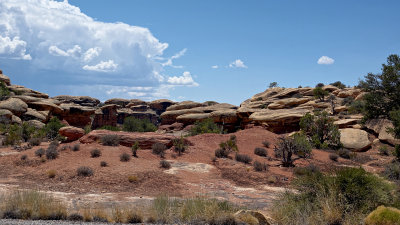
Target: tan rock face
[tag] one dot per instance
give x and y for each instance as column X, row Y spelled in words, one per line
column 380, row 127
column 36, row 123
column 15, row 105
column 77, row 115
column 21, row 90
column 5, row 116
column 79, row 100
column 32, row 114
column 184, row 105
column 146, row 140
column 71, row 133
column 354, row 139
column 5, row 79
column 345, row 123
column 46, row 105
column 288, row 103
column 117, row 101
column 106, row 115
column 160, row 105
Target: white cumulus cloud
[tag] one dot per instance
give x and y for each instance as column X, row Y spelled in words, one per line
column 186, row 79
column 237, row 64
column 102, row 66
column 325, row 60
column 59, row 41
column 214, row 67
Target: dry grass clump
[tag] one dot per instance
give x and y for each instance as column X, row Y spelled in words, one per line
column 110, row 140
column 84, row 171
column 32, row 205
column 51, row 173
column 243, row 158
column 165, row 164
column 95, row 153
column 159, row 149
column 261, row 152
column 124, row 157
column 103, row 164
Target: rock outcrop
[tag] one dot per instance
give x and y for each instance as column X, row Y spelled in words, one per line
column 15, row 105
column 71, row 133
column 380, row 128
column 355, row 139
column 146, row 140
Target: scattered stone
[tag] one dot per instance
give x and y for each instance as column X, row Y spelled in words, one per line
column 354, row 139
column 71, row 133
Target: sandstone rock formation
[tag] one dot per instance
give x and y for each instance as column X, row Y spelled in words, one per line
column 146, row 140
column 71, row 133
column 15, row 105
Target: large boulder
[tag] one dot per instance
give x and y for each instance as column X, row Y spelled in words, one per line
column 79, row 100
column 255, row 217
column 148, row 114
column 32, row 114
column 380, row 127
column 354, row 139
column 15, row 105
column 36, row 123
column 5, row 116
column 77, row 115
column 345, row 123
column 184, row 105
column 71, row 133
column 146, row 140
column 105, row 116
column 288, row 102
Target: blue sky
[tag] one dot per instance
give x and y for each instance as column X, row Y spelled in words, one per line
column 80, row 48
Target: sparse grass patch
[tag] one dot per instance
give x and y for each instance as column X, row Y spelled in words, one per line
column 51, row 173
column 84, row 171
column 40, row 152
column 133, row 179
column 258, row 166
column 132, row 124
column 266, row 143
column 35, row 141
column 75, row 217
column 134, row 217
column 52, row 153
column 135, row 148
column 159, row 149
column 383, row 150
column 333, row 157
column 205, row 126
column 110, row 140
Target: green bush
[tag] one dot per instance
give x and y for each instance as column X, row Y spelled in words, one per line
column 338, row 84
column 383, row 216
column 52, row 153
column 4, row 92
column 261, row 152
column 320, row 93
column 132, row 124
column 52, row 127
column 392, row 171
column 243, row 158
column 357, row 107
column 159, row 149
column 205, row 126
column 320, row 130
column 343, row 197
column 225, row 148
column 273, row 84
column 333, row 157
column 179, row 145
column 383, row 150
column 258, row 166
column 110, row 128
column 95, row 153
column 135, row 148
column 84, row 171
column 290, row 146
column 40, row 152
column 35, row 141
column 165, row 164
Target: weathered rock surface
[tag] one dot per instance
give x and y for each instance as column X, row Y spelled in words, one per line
column 46, row 105
column 21, row 90
column 380, row 127
column 71, row 133
column 146, row 140
column 117, row 101
column 5, row 79
column 160, row 105
column 36, row 123
column 78, row 100
column 15, row 105
column 105, row 116
column 5, row 116
column 345, row 123
column 32, row 114
column 148, row 114
column 354, row 139
column 77, row 115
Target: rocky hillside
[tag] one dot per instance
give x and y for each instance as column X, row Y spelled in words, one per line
column 276, row 109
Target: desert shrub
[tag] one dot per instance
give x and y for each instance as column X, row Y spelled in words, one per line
column 51, row 173
column 133, row 179
column 347, row 101
column 14, row 134
column 132, row 124
column 109, row 127
column 301, row 171
column 266, row 143
column 392, row 171
column 76, row 147
column 343, row 197
column 357, row 107
column 51, row 153
column 383, row 150
column 273, row 84
column 87, row 129
column 333, row 157
column 205, row 126
column 320, row 130
column 261, row 152
column 179, row 145
column 243, row 158
column 4, row 92
column 287, row 147
column 135, row 148
column 258, row 166
column 225, row 148
column 32, row 205
column 35, row 141
column 52, row 127
column 165, row 164
column 84, row 171
column 159, row 149
column 54, row 144
column 65, row 147
column 75, row 217
column 40, row 152
column 134, row 218
column 383, row 216
column 124, row 157
column 110, row 140
column 24, row 157
column 95, row 153
column 103, row 164
column 320, row 93
column 344, row 153
column 396, row 152
column 338, row 84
